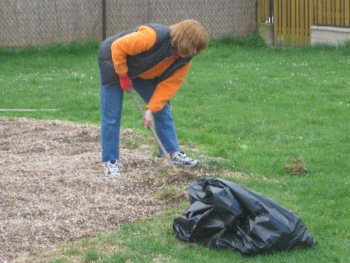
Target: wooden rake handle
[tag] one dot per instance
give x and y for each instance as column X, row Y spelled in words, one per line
column 152, row 130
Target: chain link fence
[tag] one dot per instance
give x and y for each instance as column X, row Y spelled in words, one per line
column 42, row 22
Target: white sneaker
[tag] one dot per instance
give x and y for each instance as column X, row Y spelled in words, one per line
column 112, row 169
column 181, row 159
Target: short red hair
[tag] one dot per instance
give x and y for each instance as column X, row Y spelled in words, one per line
column 189, row 37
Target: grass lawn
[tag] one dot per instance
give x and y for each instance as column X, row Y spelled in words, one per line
column 254, row 108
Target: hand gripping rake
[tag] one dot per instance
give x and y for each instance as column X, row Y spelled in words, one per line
column 174, row 169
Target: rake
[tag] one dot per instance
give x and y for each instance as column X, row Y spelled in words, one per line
column 167, row 156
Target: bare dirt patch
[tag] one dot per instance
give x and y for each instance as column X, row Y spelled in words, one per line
column 53, row 189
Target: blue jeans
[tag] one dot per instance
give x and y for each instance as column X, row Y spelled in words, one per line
column 111, row 97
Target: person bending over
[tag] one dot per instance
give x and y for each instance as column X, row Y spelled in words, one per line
column 153, row 60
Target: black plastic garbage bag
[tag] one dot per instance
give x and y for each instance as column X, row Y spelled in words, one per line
column 233, row 217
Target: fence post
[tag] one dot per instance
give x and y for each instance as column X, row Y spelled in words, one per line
column 104, row 27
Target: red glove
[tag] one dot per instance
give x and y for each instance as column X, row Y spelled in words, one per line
column 125, row 83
